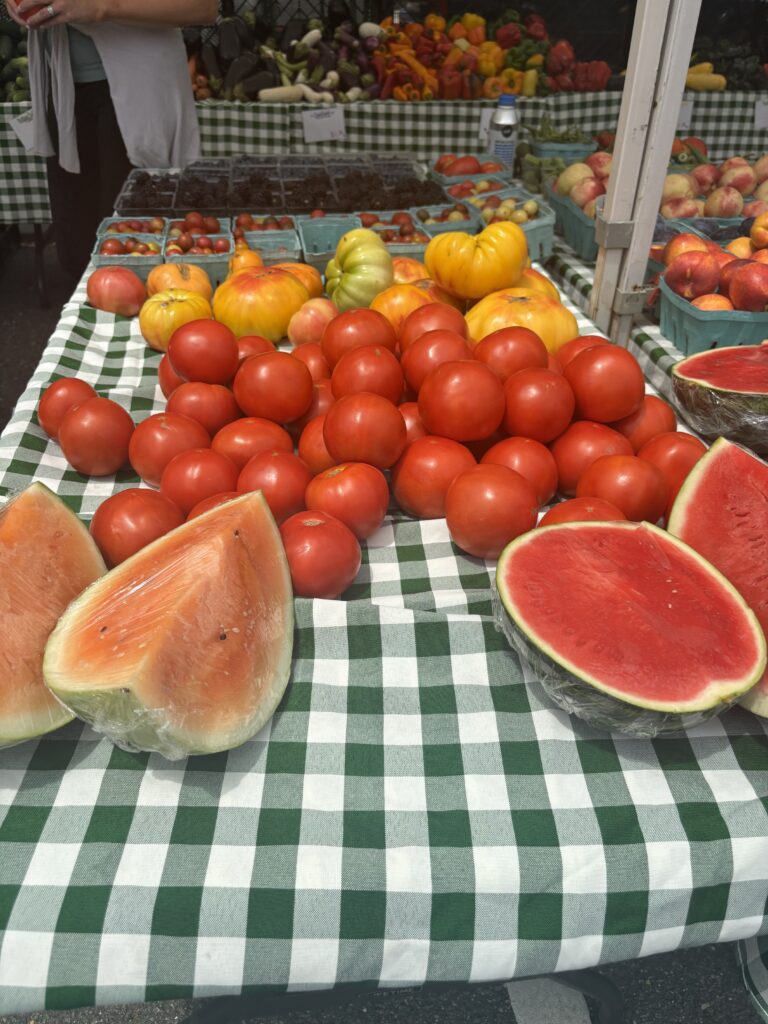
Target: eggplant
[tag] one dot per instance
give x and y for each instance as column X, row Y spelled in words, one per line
column 328, row 56
column 230, row 43
column 294, row 30
column 193, row 39
column 249, row 88
column 210, row 61
column 240, row 69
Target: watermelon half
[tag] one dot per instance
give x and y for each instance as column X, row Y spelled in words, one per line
column 626, row 626
column 184, row 648
column 724, row 393
column 722, row 512
column 47, row 557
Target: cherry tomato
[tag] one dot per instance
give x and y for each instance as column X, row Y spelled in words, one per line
column 424, row 472
column 213, row 502
column 158, row 438
column 607, row 382
column 675, row 453
column 511, row 349
column 354, row 492
column 252, row 345
column 312, row 356
column 434, row 316
column 282, row 477
column 204, row 350
column 131, row 519
column 633, row 485
column 244, row 438
column 486, row 507
column 276, row 386
column 413, row 426
column 57, row 399
column 463, row 400
column 354, row 329
column 582, row 510
column 368, row 368
column 323, row 554
column 312, row 446
column 579, row 446
column 539, row 404
column 94, row 436
column 364, row 428
column 167, row 377
column 192, row 476
column 212, row 405
column 531, row 459
column 575, row 346
column 322, row 400
column 430, row 350
column 655, row 416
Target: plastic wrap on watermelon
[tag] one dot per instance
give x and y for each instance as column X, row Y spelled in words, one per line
column 184, row 648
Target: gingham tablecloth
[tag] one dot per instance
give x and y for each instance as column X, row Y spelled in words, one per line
column 416, row 811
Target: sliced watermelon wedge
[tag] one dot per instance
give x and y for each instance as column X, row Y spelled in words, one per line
column 722, row 512
column 184, row 648
column 628, row 627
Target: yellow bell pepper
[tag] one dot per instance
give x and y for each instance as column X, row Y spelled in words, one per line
column 470, row 21
column 513, row 80
column 494, row 52
column 536, row 61
column 530, row 81
column 435, row 23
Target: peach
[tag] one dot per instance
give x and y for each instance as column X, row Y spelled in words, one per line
column 684, row 242
column 733, row 161
column 680, row 207
column 678, row 186
column 726, row 274
column 761, row 192
column 591, row 207
column 761, row 255
column 755, row 208
column 749, row 287
column 693, row 273
column 707, row 177
column 600, row 163
column 724, row 202
column 570, row 176
column 741, row 247
column 586, row 189
column 308, row 323
column 760, row 168
column 711, row 301
column 758, row 234
column 723, row 257
column 742, row 178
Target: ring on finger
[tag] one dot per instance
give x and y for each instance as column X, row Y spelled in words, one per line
column 50, row 10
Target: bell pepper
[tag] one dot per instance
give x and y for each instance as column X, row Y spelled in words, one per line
column 449, row 83
column 470, row 21
column 508, row 35
column 536, row 29
column 493, row 87
column 453, row 58
column 565, row 82
column 486, row 66
column 494, row 51
column 457, row 31
column 560, row 57
column 513, row 80
column 434, row 22
column 413, row 30
column 476, row 34
column 535, row 61
column 530, row 82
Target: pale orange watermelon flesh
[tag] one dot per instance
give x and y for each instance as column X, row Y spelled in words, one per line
column 47, row 558
column 742, row 368
column 722, row 512
column 633, row 612
column 185, row 647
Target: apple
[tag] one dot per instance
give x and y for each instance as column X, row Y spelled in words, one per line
column 600, row 163
column 173, row 250
column 761, row 255
column 570, row 176
column 586, row 189
column 111, row 247
column 678, row 186
column 185, row 242
column 741, row 247
column 286, row 223
column 156, row 225
column 712, row 301
column 456, row 215
column 684, row 242
column 707, row 176
column 727, row 272
column 244, row 220
column 760, row 168
column 725, row 201
column 194, row 219
column 758, row 234
column 369, row 219
column 740, row 177
column 723, row 257
column 519, row 216
column 444, row 161
column 679, row 207
column 749, row 287
column 491, row 167
column 531, row 207
column 755, row 208
column 693, row 273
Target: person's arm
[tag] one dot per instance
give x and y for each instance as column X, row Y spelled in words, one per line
column 161, row 13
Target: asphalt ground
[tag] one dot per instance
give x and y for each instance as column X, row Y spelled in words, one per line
column 695, row 986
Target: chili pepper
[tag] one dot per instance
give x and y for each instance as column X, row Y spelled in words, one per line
column 508, row 35
column 419, row 69
column 453, row 58
column 379, row 65
column 388, row 86
column 398, row 93
column 466, row 86
column 413, row 30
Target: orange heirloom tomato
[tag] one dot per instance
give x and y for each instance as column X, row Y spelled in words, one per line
column 259, row 301
column 163, row 312
column 309, row 276
column 407, row 269
column 243, row 259
column 472, row 266
column 186, row 276
column 520, row 307
column 398, row 301
column 537, row 282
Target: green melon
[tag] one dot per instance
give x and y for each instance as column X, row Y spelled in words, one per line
column 626, row 626
column 184, row 648
column 47, row 557
column 722, row 512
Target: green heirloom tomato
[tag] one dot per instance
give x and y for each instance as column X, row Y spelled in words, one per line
column 361, row 269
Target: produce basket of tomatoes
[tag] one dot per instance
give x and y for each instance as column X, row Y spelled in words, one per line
column 274, row 246
column 449, row 169
column 437, row 219
column 524, row 209
column 139, row 252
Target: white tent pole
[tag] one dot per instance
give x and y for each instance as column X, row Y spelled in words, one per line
column 662, row 40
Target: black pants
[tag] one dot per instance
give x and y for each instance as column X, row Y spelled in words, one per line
column 80, row 201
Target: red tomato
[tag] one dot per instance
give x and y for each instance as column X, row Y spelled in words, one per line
column 276, row 385
column 575, row 346
column 539, row 404
column 213, row 502
column 424, row 472
column 158, row 438
column 252, row 345
column 364, row 428
column 244, row 438
column 131, row 519
column 312, row 356
column 511, row 349
column 57, row 399
column 322, row 400
column 655, row 416
column 323, row 554
column 607, row 382
column 434, row 316
column 582, row 510
column 463, row 400
column 94, row 436
column 213, row 405
column 369, row 368
column 354, row 492
column 553, row 363
column 282, row 477
column 413, row 426
column 431, row 350
column 488, row 506
column 116, row 290
column 192, row 476
column 204, row 350
column 531, row 459
column 312, row 446
column 354, row 329
column 167, row 377
column 579, row 446
column 633, row 485
column 675, row 453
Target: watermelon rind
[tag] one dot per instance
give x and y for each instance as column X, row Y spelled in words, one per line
column 139, row 703
column 716, row 411
column 579, row 693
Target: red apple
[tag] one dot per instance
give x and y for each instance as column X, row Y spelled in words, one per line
column 693, row 273
column 684, row 242
column 727, row 272
column 749, row 287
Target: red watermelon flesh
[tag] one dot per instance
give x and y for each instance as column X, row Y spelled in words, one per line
column 185, row 647
column 722, row 512
column 47, row 557
column 742, row 368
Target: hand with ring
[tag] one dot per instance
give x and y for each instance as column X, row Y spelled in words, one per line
column 57, row 12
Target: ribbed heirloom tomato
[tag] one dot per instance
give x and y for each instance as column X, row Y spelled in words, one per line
column 131, row 519
column 354, row 492
column 323, row 554
column 425, row 471
column 158, row 438
column 463, row 400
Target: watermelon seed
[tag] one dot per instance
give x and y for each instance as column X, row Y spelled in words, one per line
column 222, row 636
column 103, row 629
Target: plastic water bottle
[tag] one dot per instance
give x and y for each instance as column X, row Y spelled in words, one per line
column 502, row 134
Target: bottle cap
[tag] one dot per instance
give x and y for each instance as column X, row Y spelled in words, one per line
column 507, row 99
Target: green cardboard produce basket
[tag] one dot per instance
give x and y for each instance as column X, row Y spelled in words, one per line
column 695, row 330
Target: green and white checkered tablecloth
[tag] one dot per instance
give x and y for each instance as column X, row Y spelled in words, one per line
column 23, row 183
column 416, row 811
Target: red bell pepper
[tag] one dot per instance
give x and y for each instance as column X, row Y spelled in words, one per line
column 560, row 57
column 508, row 35
column 564, row 82
column 449, row 84
column 535, row 27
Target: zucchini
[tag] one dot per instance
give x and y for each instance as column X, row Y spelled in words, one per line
column 282, row 94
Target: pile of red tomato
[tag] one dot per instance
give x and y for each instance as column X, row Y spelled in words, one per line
column 484, row 435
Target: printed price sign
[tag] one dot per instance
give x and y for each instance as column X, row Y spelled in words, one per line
column 761, row 112
column 685, row 116
column 485, row 124
column 324, row 125
column 23, row 127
